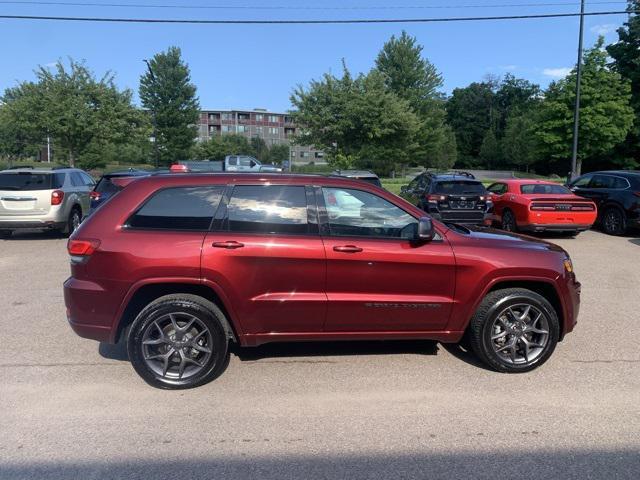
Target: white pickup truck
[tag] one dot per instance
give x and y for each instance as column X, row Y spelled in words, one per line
column 231, row 163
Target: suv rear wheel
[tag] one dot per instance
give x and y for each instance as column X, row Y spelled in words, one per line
column 514, row 330
column 509, row 221
column 614, row 221
column 178, row 341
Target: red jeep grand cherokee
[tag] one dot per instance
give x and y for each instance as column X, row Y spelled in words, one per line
column 180, row 265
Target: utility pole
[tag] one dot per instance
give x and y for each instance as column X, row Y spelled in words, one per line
column 153, row 118
column 576, row 112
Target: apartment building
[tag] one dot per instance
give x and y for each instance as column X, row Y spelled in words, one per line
column 273, row 128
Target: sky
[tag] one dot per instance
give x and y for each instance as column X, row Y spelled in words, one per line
column 257, row 66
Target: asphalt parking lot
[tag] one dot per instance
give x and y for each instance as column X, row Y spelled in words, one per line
column 72, row 408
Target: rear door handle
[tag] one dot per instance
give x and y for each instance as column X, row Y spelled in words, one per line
column 230, row 245
column 347, row 249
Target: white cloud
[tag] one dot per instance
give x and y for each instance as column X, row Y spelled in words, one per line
column 604, row 28
column 557, row 72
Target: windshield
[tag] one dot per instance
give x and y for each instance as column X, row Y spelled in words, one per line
column 543, row 189
column 459, row 187
column 27, row 181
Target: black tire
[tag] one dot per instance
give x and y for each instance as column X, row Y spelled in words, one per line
column 614, row 221
column 73, row 222
column 509, row 221
column 208, row 317
column 484, row 331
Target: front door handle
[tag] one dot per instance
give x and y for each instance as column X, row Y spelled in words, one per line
column 230, row 244
column 347, row 249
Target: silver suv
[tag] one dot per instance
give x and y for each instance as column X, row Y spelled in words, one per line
column 53, row 199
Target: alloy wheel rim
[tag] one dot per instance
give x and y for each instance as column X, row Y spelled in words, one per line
column 612, row 221
column 519, row 334
column 507, row 223
column 75, row 221
column 177, row 346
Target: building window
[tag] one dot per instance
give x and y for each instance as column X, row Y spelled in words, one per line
column 293, row 153
column 304, row 154
column 227, row 116
column 259, row 130
column 274, row 131
column 259, row 117
column 273, row 118
column 243, row 117
column 288, row 119
column 319, row 155
column 213, row 117
column 228, row 128
column 242, row 128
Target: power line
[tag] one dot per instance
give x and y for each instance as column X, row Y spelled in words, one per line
column 294, row 7
column 311, row 22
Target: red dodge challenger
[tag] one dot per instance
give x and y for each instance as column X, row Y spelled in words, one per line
column 537, row 206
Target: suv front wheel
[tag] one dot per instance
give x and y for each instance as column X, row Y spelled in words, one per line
column 514, row 330
column 178, row 341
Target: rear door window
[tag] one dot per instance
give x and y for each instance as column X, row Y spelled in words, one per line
column 22, row 181
column 76, row 180
column 181, row 208
column 268, row 209
column 602, row 181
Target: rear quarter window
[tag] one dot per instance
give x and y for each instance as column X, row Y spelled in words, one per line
column 179, row 208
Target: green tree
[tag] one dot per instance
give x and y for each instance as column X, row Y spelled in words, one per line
column 606, row 115
column 413, row 78
column 358, row 118
column 167, row 92
column 519, row 144
column 626, row 55
column 490, row 149
column 514, row 95
column 470, row 114
column 73, row 108
column 220, row 146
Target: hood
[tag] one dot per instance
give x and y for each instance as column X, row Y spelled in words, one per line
column 507, row 239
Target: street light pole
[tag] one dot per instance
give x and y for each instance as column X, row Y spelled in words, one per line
column 576, row 112
column 153, row 118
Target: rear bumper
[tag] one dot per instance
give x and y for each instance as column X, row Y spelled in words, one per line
column 27, row 224
column 462, row 217
column 555, row 227
column 82, row 299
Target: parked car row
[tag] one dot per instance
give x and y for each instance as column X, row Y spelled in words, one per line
column 610, row 199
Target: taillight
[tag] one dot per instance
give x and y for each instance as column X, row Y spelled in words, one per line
column 583, row 208
column 82, row 248
column 436, row 198
column 94, row 195
column 56, row 197
column 540, row 206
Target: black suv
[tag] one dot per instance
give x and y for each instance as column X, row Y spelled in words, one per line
column 450, row 197
column 617, row 195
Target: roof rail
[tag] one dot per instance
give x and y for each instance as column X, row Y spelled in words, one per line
column 20, row 167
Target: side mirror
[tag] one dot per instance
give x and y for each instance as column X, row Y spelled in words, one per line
column 425, row 232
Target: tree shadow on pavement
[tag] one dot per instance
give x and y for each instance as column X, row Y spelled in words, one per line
column 419, row 460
